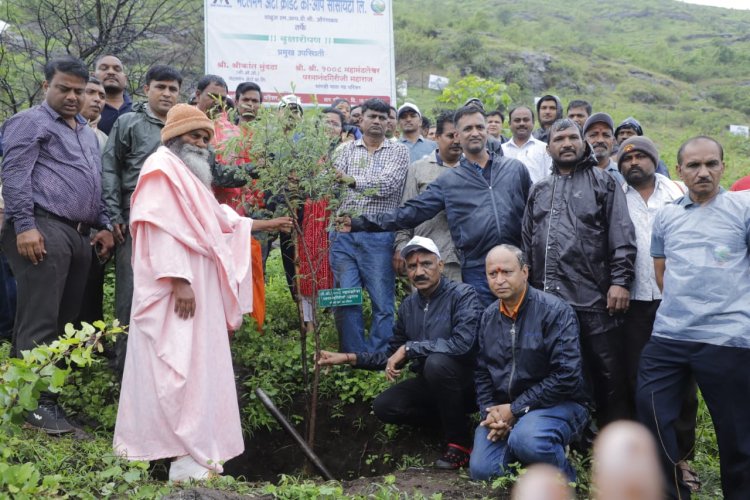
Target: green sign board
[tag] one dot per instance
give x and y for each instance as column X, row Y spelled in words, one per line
column 334, row 297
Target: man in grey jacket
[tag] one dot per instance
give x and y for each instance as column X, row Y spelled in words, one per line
column 133, row 138
column 580, row 243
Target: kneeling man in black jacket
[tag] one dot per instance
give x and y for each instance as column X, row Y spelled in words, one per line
column 529, row 383
column 436, row 330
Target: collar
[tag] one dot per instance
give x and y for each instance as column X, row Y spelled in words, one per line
column 466, row 161
column 513, row 314
column 688, row 202
column 439, row 290
column 80, row 120
column 361, row 143
column 661, row 182
column 94, row 123
column 439, row 160
column 126, row 99
column 532, row 140
column 588, row 161
column 407, row 141
column 149, row 112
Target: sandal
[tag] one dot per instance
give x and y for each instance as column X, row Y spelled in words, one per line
column 689, row 476
column 186, row 468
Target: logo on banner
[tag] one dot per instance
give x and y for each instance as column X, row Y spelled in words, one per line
column 219, row 3
column 378, row 6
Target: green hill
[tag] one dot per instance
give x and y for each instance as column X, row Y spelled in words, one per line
column 680, row 69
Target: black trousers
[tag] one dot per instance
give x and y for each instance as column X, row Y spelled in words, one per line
column 723, row 375
column 636, row 331
column 92, row 303
column 49, row 293
column 443, row 393
column 603, row 365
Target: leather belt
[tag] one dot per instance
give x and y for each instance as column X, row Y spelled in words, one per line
column 80, row 227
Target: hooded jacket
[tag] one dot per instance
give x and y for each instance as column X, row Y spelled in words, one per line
column 578, row 237
column 533, row 361
column 480, row 214
column 133, row 138
column 542, row 133
column 446, row 322
column 630, row 122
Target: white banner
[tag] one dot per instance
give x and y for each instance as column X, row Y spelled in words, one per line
column 438, row 82
column 323, row 48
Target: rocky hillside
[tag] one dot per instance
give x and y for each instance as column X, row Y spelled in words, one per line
column 679, row 68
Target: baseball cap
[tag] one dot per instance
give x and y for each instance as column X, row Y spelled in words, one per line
column 290, row 100
column 408, row 106
column 420, row 243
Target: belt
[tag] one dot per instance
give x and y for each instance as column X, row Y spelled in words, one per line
column 80, row 227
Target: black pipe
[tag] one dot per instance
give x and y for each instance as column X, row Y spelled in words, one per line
column 291, row 430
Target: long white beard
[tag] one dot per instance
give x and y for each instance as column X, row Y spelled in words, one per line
column 196, row 160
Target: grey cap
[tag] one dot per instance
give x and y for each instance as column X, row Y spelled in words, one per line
column 599, row 118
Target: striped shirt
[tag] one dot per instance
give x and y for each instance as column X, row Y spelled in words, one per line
column 50, row 165
column 379, row 177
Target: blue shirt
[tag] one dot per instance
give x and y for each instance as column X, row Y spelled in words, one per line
column 614, row 171
column 707, row 279
column 51, row 165
column 110, row 114
column 419, row 149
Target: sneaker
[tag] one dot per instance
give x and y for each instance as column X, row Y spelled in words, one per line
column 455, row 457
column 50, row 418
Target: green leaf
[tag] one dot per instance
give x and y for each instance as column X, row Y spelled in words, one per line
column 132, row 476
column 111, row 472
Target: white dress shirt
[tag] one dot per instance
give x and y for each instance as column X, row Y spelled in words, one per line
column 533, row 154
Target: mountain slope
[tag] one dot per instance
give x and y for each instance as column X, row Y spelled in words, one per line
column 681, row 69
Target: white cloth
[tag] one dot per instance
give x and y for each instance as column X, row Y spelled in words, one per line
column 642, row 214
column 533, row 154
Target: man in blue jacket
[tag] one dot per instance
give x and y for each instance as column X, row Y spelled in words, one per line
column 483, row 197
column 529, row 381
column 436, row 331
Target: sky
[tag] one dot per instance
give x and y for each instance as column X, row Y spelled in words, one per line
column 732, row 4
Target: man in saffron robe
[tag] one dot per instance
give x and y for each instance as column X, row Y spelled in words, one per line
column 192, row 275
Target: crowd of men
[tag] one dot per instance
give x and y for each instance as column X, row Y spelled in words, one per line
column 559, row 275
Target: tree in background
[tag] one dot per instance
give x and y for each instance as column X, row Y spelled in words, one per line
column 139, row 32
column 493, row 94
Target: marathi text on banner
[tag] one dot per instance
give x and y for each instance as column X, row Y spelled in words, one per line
column 323, row 49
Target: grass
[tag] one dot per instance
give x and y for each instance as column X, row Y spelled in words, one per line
column 89, row 469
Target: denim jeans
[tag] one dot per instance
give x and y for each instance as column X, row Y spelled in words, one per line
column 364, row 260
column 477, row 277
column 540, row 436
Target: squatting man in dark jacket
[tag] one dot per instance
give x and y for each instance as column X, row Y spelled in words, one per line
column 529, row 380
column 436, row 331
